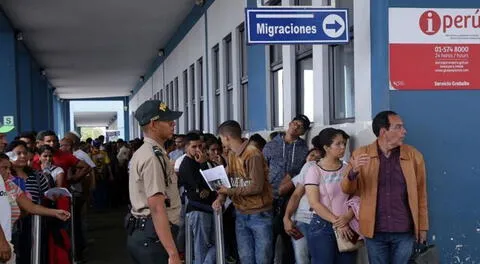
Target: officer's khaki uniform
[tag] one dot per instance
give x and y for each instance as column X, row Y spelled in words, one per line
column 147, row 178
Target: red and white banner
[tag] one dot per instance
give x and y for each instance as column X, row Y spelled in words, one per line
column 434, row 49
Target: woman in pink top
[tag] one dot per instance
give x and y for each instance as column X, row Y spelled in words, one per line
column 322, row 186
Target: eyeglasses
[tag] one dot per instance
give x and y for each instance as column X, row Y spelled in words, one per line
column 397, row 127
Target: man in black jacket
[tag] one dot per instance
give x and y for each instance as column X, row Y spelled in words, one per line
column 200, row 198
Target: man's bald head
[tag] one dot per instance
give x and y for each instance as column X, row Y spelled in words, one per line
column 74, row 138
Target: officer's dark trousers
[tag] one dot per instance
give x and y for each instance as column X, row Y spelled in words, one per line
column 144, row 246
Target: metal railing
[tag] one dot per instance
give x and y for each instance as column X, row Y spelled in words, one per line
column 36, row 252
column 72, row 229
column 188, row 241
column 219, row 240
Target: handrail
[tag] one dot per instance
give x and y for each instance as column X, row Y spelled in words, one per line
column 72, row 229
column 36, row 252
column 188, row 240
column 219, row 239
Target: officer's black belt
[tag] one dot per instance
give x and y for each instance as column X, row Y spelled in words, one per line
column 139, row 222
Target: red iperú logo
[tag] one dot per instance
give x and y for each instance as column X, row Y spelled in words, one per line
column 430, row 22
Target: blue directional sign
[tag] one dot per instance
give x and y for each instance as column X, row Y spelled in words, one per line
column 297, row 25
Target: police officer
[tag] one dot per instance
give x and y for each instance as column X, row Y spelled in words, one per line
column 153, row 220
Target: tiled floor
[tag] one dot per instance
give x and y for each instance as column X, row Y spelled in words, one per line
column 107, row 238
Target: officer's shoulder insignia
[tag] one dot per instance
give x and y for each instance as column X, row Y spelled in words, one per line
column 163, row 107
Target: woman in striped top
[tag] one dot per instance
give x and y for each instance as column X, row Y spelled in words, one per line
column 36, row 184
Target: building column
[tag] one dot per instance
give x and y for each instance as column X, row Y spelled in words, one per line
column 257, row 85
column 8, row 100
column 24, row 88
column 40, row 100
column 126, row 119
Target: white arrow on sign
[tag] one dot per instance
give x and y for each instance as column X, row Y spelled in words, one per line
column 333, row 26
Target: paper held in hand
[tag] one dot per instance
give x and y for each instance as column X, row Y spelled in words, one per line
column 53, row 193
column 216, row 177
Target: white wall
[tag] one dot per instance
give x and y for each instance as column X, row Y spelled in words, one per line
column 222, row 18
column 113, row 125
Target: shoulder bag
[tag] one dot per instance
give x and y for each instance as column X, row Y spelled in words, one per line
column 344, row 245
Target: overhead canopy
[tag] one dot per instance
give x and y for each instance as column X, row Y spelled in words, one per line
column 92, row 48
column 94, row 119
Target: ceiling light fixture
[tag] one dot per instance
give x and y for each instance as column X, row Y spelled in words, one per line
column 19, row 35
column 142, row 78
column 199, row 2
column 161, row 52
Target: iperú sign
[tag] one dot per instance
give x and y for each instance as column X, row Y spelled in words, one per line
column 297, row 25
column 431, row 22
column 434, row 49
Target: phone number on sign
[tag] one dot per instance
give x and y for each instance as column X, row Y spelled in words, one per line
column 448, row 49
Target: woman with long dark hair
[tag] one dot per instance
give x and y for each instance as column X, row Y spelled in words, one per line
column 331, row 214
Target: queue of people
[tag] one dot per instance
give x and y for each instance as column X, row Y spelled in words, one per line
column 287, row 203
column 95, row 175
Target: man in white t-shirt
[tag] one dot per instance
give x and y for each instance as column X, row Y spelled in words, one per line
column 178, row 162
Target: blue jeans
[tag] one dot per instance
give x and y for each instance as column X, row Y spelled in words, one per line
column 322, row 244
column 394, row 248
column 203, row 237
column 180, row 239
column 254, row 237
column 300, row 246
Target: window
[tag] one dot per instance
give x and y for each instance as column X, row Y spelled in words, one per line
column 176, row 105
column 170, row 99
column 167, row 97
column 271, row 2
column 185, row 98
column 216, row 83
column 192, row 91
column 243, row 76
column 303, row 2
column 229, row 76
column 342, row 90
column 175, row 100
column 276, row 73
column 305, row 94
column 202, row 99
column 304, row 74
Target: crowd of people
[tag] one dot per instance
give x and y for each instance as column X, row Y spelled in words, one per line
column 286, row 203
column 94, row 174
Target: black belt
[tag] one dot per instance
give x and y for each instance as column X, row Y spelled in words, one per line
column 133, row 223
column 139, row 222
